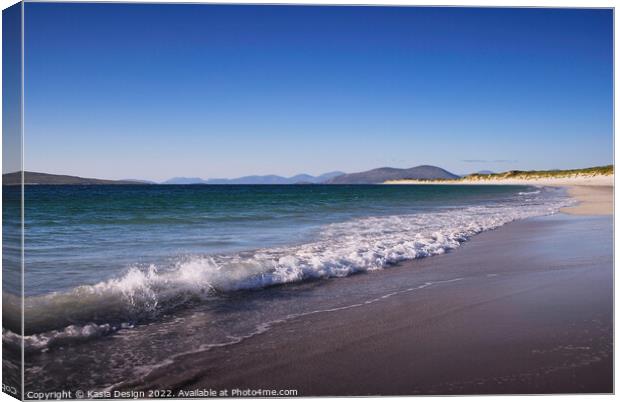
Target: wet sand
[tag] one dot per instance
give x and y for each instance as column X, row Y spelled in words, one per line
column 526, row 308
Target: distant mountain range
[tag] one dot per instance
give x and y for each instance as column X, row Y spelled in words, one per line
column 380, row 175
column 184, row 180
column 267, row 179
column 374, row 176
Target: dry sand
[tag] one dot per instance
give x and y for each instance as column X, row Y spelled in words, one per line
column 531, row 312
column 593, row 200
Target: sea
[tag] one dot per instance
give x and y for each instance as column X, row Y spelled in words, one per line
column 120, row 279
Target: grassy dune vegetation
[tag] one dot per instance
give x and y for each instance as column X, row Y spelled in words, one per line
column 515, row 175
column 543, row 174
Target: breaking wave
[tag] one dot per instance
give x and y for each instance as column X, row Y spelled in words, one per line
column 341, row 249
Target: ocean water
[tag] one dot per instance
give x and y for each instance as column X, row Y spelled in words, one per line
column 183, row 268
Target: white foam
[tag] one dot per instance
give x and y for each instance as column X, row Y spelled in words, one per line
column 45, row 340
column 341, row 249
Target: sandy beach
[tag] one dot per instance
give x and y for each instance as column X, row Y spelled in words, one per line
column 593, row 200
column 526, row 308
column 594, row 193
column 595, row 181
column 417, row 292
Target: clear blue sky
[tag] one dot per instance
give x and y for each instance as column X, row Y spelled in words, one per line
column 155, row 91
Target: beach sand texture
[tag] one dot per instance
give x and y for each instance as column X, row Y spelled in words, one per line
column 526, row 308
column 593, row 200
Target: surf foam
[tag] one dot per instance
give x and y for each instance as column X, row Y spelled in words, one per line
column 341, row 249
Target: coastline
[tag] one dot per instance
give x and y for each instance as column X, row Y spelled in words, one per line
column 526, row 308
column 583, row 180
column 594, row 193
column 199, row 303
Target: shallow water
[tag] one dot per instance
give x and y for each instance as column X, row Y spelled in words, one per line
column 78, row 235
column 176, row 269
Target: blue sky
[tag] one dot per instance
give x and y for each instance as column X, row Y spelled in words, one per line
column 11, row 89
column 155, row 91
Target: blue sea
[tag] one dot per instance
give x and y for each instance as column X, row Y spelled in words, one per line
column 125, row 263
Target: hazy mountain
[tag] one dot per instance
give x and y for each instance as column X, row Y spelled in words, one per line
column 267, row 179
column 46, row 178
column 256, row 179
column 301, row 178
column 185, row 180
column 380, row 175
column 140, row 181
column 328, row 176
column 369, row 177
column 485, row 172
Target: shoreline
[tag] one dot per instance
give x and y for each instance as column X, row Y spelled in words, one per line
column 568, row 181
column 526, row 308
column 242, row 340
column 594, row 193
